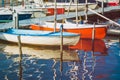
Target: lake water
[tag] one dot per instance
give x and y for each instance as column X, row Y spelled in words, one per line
column 85, row 61
column 80, row 62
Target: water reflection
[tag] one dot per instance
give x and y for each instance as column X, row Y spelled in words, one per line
column 87, row 51
column 37, row 62
column 88, row 44
column 41, row 52
column 42, row 63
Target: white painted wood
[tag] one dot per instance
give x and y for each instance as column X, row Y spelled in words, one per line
column 40, row 40
column 72, row 25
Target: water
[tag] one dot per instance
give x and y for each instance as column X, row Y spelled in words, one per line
column 80, row 62
column 38, row 63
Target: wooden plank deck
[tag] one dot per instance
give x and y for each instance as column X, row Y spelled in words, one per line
column 113, row 32
column 70, row 15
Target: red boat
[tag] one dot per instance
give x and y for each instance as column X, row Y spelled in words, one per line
column 85, row 30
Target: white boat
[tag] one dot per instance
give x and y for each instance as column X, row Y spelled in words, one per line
column 72, row 7
column 6, row 15
column 39, row 37
column 67, row 4
column 109, row 2
column 25, row 12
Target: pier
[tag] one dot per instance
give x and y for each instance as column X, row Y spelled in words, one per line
column 70, row 15
column 107, row 10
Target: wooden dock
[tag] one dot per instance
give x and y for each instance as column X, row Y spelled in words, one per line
column 70, row 15
column 113, row 32
column 59, row 17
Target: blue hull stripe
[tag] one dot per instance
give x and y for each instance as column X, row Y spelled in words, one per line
column 37, row 33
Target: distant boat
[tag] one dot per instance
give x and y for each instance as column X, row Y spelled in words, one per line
column 72, row 7
column 7, row 16
column 68, row 4
column 84, row 29
column 109, row 2
column 39, row 37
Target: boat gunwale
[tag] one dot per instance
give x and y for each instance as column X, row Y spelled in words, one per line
column 38, row 33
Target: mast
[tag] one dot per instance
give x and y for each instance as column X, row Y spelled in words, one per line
column 23, row 3
column 55, row 16
column 17, row 2
column 69, row 6
column 86, row 10
column 76, row 2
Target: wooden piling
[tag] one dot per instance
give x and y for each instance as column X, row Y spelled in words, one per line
column 119, row 38
column 55, row 15
column 93, row 33
column 61, row 47
column 15, row 19
column 69, row 7
column 102, row 7
column 86, row 10
column 20, row 56
column 76, row 12
column 93, row 38
column 104, row 17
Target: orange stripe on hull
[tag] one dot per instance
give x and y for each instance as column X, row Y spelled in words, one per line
column 100, row 32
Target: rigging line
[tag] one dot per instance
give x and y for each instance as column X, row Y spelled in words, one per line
column 104, row 17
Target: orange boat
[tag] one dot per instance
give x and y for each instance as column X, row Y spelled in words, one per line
column 88, row 45
column 84, row 29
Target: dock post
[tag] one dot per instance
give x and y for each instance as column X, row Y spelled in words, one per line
column 93, row 33
column 61, row 47
column 102, row 7
column 119, row 38
column 86, row 10
column 76, row 12
column 93, row 38
column 20, row 55
column 55, row 16
column 15, row 19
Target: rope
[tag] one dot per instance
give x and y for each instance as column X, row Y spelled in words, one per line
column 104, row 17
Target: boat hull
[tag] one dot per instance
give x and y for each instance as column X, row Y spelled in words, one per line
column 100, row 32
column 72, row 7
column 40, row 39
column 9, row 17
